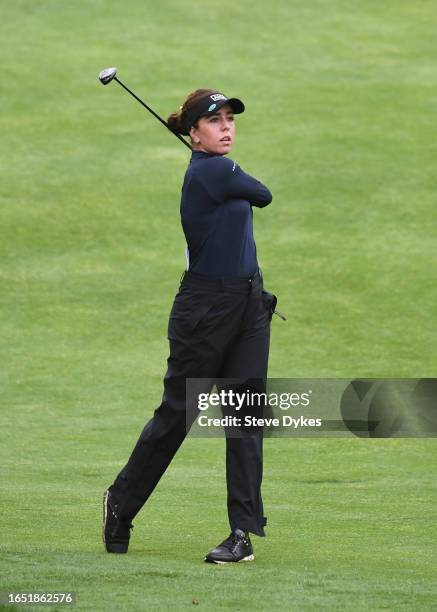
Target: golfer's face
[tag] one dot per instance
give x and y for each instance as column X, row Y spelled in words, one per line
column 215, row 134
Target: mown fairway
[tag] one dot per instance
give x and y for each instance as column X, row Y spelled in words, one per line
column 341, row 122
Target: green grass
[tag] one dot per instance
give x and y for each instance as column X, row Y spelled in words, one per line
column 340, row 124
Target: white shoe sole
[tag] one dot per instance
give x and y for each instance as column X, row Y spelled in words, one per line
column 248, row 558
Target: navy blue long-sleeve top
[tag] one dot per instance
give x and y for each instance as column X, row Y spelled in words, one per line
column 217, row 216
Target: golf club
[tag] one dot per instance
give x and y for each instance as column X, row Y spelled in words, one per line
column 108, row 75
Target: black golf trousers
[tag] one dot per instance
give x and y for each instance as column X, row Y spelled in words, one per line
column 217, row 329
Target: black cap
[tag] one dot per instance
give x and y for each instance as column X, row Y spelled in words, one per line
column 207, row 106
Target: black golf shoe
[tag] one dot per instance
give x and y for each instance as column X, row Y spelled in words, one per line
column 237, row 547
column 116, row 532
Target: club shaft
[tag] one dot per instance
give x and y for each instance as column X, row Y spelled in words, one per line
column 153, row 112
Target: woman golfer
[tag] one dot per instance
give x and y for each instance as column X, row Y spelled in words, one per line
column 219, row 328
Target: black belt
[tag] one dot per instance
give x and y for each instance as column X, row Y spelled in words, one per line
column 221, row 284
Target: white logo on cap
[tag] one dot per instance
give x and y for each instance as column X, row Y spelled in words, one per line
column 216, row 97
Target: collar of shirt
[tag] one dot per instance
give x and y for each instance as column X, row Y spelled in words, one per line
column 203, row 154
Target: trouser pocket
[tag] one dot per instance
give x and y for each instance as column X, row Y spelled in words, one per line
column 191, row 307
column 198, row 314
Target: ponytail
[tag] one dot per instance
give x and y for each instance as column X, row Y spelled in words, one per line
column 175, row 123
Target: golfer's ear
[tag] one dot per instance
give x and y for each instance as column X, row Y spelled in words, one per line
column 194, row 137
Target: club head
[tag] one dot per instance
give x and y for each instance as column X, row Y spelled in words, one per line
column 107, row 75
